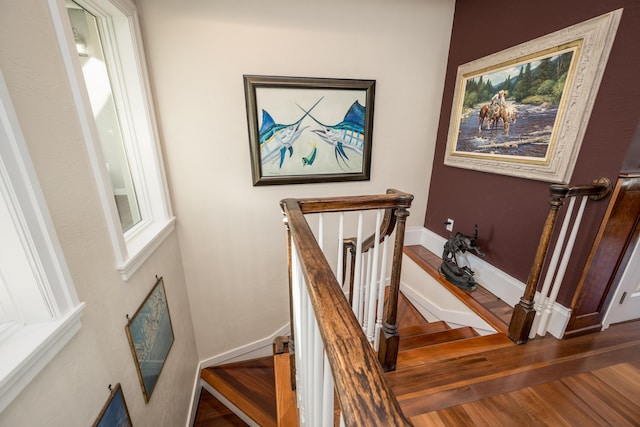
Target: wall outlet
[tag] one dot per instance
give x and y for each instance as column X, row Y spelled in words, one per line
column 449, row 224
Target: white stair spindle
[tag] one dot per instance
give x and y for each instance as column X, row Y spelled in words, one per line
column 542, row 328
column 327, row 395
column 357, row 273
column 321, row 231
column 318, row 374
column 366, row 291
column 339, row 267
column 383, row 282
column 551, row 270
column 373, row 285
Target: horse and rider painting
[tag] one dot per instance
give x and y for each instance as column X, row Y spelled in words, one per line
column 511, row 111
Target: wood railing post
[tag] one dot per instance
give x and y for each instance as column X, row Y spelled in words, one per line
column 389, row 342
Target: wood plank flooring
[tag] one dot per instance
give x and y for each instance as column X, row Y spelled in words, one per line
column 603, row 397
column 545, row 382
column 249, row 385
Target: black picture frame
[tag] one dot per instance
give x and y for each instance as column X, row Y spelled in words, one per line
column 304, row 130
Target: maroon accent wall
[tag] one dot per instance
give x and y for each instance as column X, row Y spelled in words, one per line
column 509, row 211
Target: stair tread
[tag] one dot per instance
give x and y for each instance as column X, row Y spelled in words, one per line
column 423, row 328
column 249, row 385
column 448, row 350
column 479, row 300
column 439, row 337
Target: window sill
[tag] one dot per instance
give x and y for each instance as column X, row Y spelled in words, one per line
column 144, row 244
column 28, row 349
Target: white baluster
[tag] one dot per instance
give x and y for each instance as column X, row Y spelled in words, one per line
column 308, row 357
column 297, row 283
column 374, row 283
column 355, row 304
column 542, row 328
column 557, row 251
column 383, row 282
column 327, row 395
column 321, row 231
column 366, row 291
column 340, row 250
column 318, row 374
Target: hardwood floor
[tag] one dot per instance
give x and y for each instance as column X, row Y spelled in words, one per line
column 603, row 397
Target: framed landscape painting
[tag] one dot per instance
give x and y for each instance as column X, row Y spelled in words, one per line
column 309, row 129
column 524, row 111
column 115, row 412
column 150, row 336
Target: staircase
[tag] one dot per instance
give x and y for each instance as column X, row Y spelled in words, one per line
column 433, row 360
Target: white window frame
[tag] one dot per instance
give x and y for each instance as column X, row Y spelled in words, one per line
column 33, row 329
column 121, row 37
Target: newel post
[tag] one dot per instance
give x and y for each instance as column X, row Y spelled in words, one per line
column 390, row 340
column 524, row 312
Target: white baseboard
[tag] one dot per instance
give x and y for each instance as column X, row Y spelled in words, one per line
column 496, row 281
column 260, row 348
column 195, row 398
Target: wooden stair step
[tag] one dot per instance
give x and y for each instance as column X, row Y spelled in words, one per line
column 451, row 350
column 478, row 300
column 423, row 328
column 433, row 338
column 249, row 385
column 407, row 315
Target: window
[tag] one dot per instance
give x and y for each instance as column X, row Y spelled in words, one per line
column 39, row 309
column 100, row 43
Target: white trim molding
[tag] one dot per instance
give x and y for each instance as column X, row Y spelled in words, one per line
column 119, row 19
column 39, row 310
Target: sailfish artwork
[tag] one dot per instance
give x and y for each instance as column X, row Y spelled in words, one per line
column 277, row 139
column 348, row 135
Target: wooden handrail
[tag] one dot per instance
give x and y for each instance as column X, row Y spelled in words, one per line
column 524, row 312
column 355, row 369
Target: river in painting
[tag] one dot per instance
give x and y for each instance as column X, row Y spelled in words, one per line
column 527, row 137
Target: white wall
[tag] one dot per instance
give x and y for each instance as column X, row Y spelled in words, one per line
column 73, row 387
column 231, row 234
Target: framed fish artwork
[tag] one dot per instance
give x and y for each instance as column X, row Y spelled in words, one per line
column 304, row 130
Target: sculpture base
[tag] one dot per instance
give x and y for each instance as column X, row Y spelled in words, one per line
column 461, row 277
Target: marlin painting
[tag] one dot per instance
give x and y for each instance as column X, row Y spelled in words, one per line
column 276, row 139
column 346, row 135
